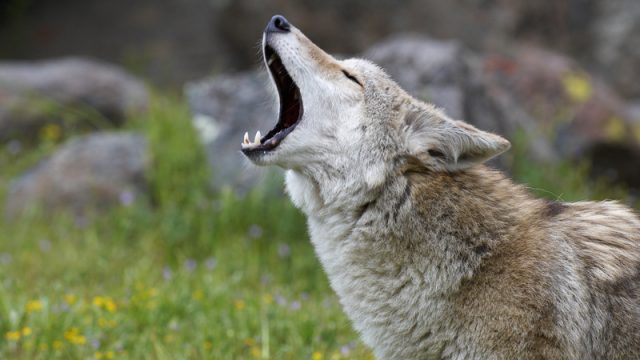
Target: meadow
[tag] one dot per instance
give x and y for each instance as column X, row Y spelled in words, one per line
column 188, row 273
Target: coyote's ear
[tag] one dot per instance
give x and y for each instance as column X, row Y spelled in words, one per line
column 447, row 144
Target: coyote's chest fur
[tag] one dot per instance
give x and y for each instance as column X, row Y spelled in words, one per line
column 378, row 293
column 431, row 253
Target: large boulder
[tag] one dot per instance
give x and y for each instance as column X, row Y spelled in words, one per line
column 224, row 108
column 89, row 173
column 69, row 92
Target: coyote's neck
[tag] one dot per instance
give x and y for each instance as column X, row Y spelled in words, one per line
column 477, row 203
column 444, row 223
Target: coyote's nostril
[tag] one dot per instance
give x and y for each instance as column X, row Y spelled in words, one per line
column 278, row 24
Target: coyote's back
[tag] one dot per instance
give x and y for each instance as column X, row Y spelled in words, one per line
column 606, row 238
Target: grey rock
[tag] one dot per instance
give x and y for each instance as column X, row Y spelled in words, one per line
column 224, row 108
column 87, row 174
column 633, row 112
column 70, row 92
column 617, row 44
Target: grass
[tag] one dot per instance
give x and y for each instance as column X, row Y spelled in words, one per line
column 187, row 273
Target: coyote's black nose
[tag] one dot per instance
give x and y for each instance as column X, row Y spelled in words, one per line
column 278, row 24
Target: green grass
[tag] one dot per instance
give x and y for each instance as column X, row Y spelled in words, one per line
column 186, row 274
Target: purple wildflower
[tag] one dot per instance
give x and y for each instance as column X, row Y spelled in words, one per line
column 190, row 265
column 167, row 274
column 211, row 263
column 284, row 250
column 127, row 197
column 295, row 305
column 255, row 231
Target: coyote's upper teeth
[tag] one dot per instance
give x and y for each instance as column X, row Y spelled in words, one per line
column 246, row 138
column 257, row 138
column 271, row 60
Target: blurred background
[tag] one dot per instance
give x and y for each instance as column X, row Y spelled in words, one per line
column 130, row 225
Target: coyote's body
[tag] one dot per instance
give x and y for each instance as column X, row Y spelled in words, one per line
column 431, row 253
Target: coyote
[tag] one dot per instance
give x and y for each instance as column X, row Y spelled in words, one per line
column 431, row 253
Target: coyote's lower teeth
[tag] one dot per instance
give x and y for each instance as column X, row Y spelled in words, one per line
column 256, row 139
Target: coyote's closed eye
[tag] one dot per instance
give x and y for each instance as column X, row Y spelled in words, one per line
column 351, row 77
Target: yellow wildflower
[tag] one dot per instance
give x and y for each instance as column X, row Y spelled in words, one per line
column 109, row 355
column 73, row 336
column 12, row 335
column 105, row 302
column 267, row 299
column 33, row 306
column 239, row 304
column 51, row 132
column 98, row 355
column 198, row 295
column 79, row 340
column 615, row 129
column 316, row 355
column 255, row 352
column 110, row 305
column 70, row 299
column 57, row 344
column 577, row 86
column 26, row 331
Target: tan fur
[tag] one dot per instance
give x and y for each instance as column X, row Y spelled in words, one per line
column 432, row 254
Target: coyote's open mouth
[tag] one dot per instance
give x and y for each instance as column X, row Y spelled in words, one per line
column 290, row 108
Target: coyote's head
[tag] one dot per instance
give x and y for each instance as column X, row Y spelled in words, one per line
column 346, row 119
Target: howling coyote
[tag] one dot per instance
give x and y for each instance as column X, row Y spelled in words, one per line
column 432, row 254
